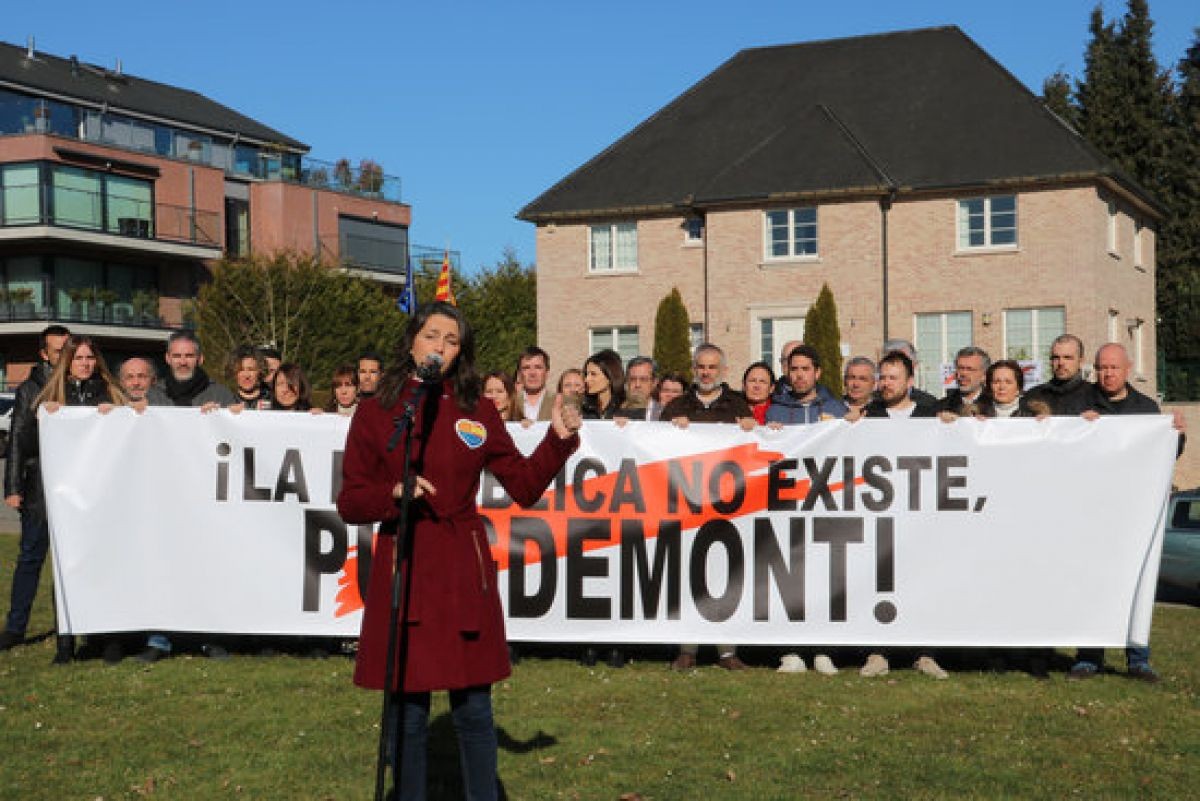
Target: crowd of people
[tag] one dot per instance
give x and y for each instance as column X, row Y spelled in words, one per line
column 73, row 372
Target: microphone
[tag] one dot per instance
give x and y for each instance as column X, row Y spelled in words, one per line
column 430, row 370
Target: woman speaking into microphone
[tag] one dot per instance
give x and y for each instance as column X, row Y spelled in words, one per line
column 452, row 637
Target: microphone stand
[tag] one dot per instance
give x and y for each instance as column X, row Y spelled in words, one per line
column 397, row 662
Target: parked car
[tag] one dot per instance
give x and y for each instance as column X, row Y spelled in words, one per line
column 1179, row 570
column 7, row 401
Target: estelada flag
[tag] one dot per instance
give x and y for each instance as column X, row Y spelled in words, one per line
column 443, row 292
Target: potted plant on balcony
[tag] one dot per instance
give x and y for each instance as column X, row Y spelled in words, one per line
column 105, row 300
column 370, row 177
column 342, row 173
column 145, row 307
column 319, row 177
column 21, row 299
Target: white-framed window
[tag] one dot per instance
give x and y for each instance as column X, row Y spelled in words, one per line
column 693, row 231
column 1137, row 243
column 613, row 248
column 938, row 336
column 621, row 338
column 695, row 335
column 987, row 222
column 1114, row 326
column 791, row 233
column 1028, row 333
column 1113, row 238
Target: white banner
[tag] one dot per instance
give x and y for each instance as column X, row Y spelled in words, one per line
column 1001, row 532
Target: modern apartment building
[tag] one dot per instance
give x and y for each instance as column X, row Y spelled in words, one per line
column 940, row 200
column 117, row 193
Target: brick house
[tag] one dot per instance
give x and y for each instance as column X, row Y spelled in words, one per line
column 938, row 197
column 117, row 193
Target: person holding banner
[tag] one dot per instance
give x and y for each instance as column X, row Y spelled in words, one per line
column 80, row 378
column 455, row 624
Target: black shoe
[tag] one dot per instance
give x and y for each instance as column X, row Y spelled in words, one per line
column 9, row 639
column 213, row 651
column 589, row 657
column 113, row 652
column 616, row 659
column 1144, row 673
column 514, row 655
column 150, row 655
column 64, row 651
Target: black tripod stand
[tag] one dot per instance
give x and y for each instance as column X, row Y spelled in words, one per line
column 397, row 655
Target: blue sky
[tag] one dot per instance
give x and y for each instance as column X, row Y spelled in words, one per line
column 478, row 107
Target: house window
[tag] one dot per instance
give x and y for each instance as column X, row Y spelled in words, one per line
column 693, row 230
column 1028, row 333
column 622, row 339
column 695, row 335
column 791, row 233
column 613, row 248
column 20, row 195
column 939, row 336
column 1137, row 244
column 373, row 245
column 1113, row 240
column 987, row 222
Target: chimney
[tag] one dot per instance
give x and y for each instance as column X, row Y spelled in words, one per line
column 74, row 66
column 118, row 66
column 29, row 48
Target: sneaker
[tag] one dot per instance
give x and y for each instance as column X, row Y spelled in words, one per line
column 876, row 665
column 150, row 655
column 791, row 663
column 929, row 666
column 1143, row 672
column 684, row 662
column 731, row 662
column 1083, row 670
column 824, row 665
column 9, row 639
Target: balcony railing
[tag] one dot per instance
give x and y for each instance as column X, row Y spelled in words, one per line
column 26, row 204
column 121, row 314
column 366, row 179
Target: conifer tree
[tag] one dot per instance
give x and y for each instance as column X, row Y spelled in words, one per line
column 672, row 336
column 821, row 332
column 1056, row 94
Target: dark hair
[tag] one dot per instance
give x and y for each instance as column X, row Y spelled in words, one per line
column 609, row 363
column 678, row 378
column 461, row 372
column 1009, row 364
column 509, row 387
column 1064, row 338
column 371, row 356
column 52, row 331
column 898, row 357
column 807, row 351
column 347, row 371
column 265, row 353
column 763, row 366
column 531, row 352
column 298, row 381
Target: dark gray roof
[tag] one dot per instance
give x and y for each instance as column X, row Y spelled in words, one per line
column 914, row 110
column 124, row 92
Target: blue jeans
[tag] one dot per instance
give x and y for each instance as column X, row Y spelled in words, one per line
column 471, row 711
column 35, row 540
column 1135, row 656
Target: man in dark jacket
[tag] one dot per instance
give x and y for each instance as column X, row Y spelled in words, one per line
column 187, row 384
column 1067, row 393
column 970, row 370
column 894, row 396
column 799, row 399
column 1112, row 394
column 22, row 490
column 709, row 401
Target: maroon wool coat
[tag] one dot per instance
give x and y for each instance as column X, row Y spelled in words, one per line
column 455, row 621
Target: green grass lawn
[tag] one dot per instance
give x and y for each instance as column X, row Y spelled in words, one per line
column 286, row 727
